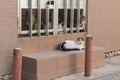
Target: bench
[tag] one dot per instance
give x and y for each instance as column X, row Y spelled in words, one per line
column 47, row 62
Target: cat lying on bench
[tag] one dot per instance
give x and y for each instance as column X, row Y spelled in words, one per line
column 70, row 45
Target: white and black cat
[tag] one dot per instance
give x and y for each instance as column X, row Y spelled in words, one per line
column 70, row 45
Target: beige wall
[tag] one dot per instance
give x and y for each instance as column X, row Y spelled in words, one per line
column 104, row 23
column 8, row 34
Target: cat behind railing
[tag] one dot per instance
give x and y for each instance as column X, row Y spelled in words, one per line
column 60, row 26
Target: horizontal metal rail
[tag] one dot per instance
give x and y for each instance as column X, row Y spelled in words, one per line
column 50, row 30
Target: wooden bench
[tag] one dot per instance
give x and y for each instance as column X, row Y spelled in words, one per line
column 43, row 61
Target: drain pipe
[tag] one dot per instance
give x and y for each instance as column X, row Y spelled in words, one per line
column 88, row 56
column 17, row 64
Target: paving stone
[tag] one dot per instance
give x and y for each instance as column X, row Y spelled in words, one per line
column 110, row 71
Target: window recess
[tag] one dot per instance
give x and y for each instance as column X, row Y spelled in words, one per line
column 51, row 17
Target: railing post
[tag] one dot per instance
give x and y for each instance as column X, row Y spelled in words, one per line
column 30, row 17
column 39, row 17
column 47, row 20
column 17, row 63
column 65, row 16
column 71, row 16
column 88, row 56
column 78, row 15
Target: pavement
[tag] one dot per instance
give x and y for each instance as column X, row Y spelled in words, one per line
column 110, row 71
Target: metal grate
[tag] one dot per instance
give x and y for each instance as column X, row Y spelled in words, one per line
column 51, row 17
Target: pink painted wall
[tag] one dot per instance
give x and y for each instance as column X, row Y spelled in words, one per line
column 8, row 34
column 104, row 23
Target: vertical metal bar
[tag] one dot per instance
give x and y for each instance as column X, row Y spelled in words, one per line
column 65, row 16
column 84, row 7
column 47, row 21
column 19, row 17
column 72, row 16
column 85, row 13
column 30, row 17
column 55, row 18
column 78, row 15
column 86, row 27
column 39, row 17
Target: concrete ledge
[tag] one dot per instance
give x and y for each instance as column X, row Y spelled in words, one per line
column 49, row 65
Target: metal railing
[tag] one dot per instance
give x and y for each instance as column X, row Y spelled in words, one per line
column 39, row 5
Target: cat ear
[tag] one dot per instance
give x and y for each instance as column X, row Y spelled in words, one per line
column 79, row 39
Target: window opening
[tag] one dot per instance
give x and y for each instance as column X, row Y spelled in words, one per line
column 51, row 17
